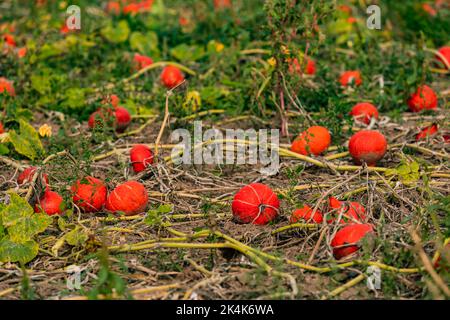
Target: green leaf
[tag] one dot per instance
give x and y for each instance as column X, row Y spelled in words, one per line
column 391, row 172
column 153, row 218
column 11, row 251
column 145, row 43
column 185, row 53
column 2, row 232
column 75, row 98
column 3, row 149
column 62, row 224
column 18, row 225
column 27, row 143
column 165, row 208
column 407, row 171
column 403, row 169
column 41, row 83
column 414, row 166
column 21, row 221
column 76, row 237
column 29, row 227
column 53, row 49
column 17, row 208
column 116, row 34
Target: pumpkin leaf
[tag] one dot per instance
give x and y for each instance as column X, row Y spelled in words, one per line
column 76, row 237
column 116, row 34
column 11, row 251
column 154, row 216
column 145, row 43
column 29, row 227
column 18, row 225
column 183, row 52
column 21, row 221
column 3, row 150
column 407, row 171
column 27, row 143
column 41, row 83
column 75, row 98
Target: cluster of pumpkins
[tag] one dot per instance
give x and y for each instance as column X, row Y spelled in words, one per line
column 91, row 194
column 255, row 203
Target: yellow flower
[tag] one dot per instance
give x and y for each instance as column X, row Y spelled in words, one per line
column 272, row 61
column 193, row 101
column 219, row 46
column 45, row 131
column 285, row 50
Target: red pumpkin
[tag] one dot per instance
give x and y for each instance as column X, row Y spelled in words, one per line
column 2, row 130
column 137, row 7
column 315, row 140
column 171, row 77
column 141, row 61
column 367, row 146
column 183, row 21
column 112, row 99
column 141, row 157
column 9, row 40
column 364, row 112
column 423, row 98
column 445, row 52
column 305, row 214
column 426, row 132
column 7, row 86
column 255, row 203
column 123, row 118
column 310, row 67
column 119, row 116
column 113, row 7
column 347, row 240
column 89, row 194
column 28, row 174
column 348, row 212
column 64, row 29
column 222, row 4
column 51, row 203
column 21, row 52
column 345, row 8
column 100, row 116
column 350, row 77
column 429, row 9
column 130, row 198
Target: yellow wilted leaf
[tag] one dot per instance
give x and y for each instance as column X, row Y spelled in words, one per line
column 193, row 101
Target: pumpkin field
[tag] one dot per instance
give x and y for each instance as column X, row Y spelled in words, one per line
column 224, row 149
